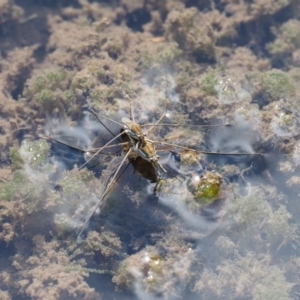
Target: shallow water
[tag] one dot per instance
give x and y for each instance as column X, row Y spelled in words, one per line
column 218, row 226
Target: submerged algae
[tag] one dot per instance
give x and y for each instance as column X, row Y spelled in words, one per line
column 256, row 220
column 277, row 84
column 208, row 188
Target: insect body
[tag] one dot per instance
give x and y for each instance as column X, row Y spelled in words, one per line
column 134, row 132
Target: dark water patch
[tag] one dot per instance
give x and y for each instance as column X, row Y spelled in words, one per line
column 285, row 13
column 47, row 3
column 261, row 99
column 69, row 156
column 204, row 57
column 103, row 285
column 6, row 251
column 202, row 5
column 19, row 297
column 279, row 62
column 255, row 34
column 136, row 19
column 40, row 53
column 112, row 3
column 12, row 33
column 19, row 82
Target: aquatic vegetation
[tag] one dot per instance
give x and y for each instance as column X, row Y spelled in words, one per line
column 33, row 154
column 233, row 235
column 10, row 11
column 207, row 188
column 192, row 33
column 27, row 161
column 149, row 272
column 251, row 276
column 261, row 219
column 48, row 273
column 287, row 39
column 83, row 81
column 277, row 84
column 105, row 243
column 114, row 47
column 209, row 84
column 50, row 89
column 161, row 56
column 16, row 158
column 190, row 161
column 296, row 154
column 284, row 123
column 106, row 83
column 230, row 90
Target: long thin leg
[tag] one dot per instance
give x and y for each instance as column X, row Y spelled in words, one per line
column 107, row 118
column 104, row 194
column 186, row 125
column 96, row 116
column 100, row 162
column 98, row 152
column 93, row 150
column 103, row 160
column 46, row 137
column 203, row 152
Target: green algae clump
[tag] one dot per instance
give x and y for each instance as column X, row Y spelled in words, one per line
column 288, row 39
column 209, row 83
column 208, row 188
column 277, row 84
column 50, row 88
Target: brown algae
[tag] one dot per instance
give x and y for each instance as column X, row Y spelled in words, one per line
column 238, row 61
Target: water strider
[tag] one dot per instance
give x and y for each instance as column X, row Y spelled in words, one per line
column 138, row 149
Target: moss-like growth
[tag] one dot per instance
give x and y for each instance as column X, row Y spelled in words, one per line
column 291, row 32
column 248, row 277
column 51, row 87
column 189, row 29
column 50, row 80
column 277, row 84
column 209, row 84
column 287, row 39
column 49, row 273
column 156, row 273
column 161, row 56
column 114, row 47
column 75, row 182
column 189, row 158
column 16, row 158
column 20, row 188
column 26, row 161
column 33, row 153
column 105, row 243
column 206, row 189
